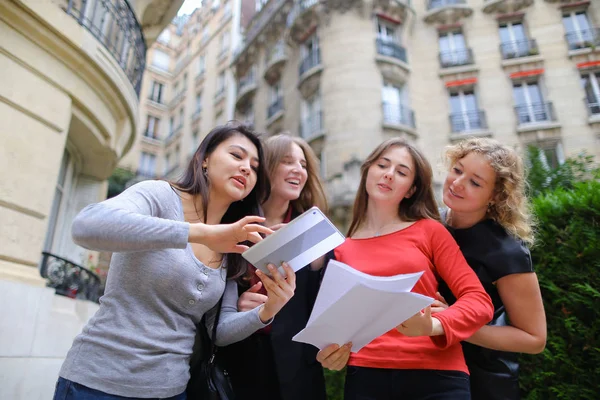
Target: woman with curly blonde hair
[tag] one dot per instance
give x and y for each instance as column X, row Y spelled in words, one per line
column 488, row 216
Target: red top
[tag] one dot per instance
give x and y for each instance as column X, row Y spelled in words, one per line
column 424, row 246
column 254, row 279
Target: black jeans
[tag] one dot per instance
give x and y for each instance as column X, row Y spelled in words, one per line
column 405, row 384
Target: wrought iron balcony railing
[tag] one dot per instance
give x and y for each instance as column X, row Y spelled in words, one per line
column 114, row 24
column 70, row 279
column 588, row 38
column 535, row 112
column 391, row 49
column 443, row 3
column 247, row 80
column 465, row 121
column 311, row 60
column 397, row 114
column 299, row 7
column 275, row 107
column 519, row 48
column 456, row 58
column 593, row 107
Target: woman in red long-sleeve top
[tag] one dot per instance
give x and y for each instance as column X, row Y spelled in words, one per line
column 395, row 229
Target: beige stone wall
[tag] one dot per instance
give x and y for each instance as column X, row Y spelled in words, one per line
column 351, row 80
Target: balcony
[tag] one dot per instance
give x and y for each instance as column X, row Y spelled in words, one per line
column 505, row 6
column 157, row 103
column 310, row 73
column 151, row 138
column 397, row 117
column 246, row 87
column 535, row 114
column 276, row 59
column 399, row 8
column 312, row 128
column 275, row 111
column 174, row 134
column 447, row 11
column 391, row 49
column 70, row 279
column 302, row 19
column 584, row 39
column 114, row 24
column 519, row 48
column 468, row 121
column 456, row 58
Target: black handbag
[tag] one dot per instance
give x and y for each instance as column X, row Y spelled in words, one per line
column 208, row 379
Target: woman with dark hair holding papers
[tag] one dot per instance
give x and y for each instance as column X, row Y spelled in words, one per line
column 175, row 252
column 395, row 229
column 268, row 365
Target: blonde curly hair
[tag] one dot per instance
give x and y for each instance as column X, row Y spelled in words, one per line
column 511, row 206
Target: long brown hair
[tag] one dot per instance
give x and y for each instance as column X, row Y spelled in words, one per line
column 196, row 183
column 313, row 194
column 420, row 205
column 510, row 208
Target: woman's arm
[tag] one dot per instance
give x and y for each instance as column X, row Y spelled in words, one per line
column 473, row 307
column 235, row 325
column 130, row 221
column 522, row 300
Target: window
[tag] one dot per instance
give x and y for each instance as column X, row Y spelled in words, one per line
column 591, row 86
column 168, row 163
column 198, row 106
column 310, row 54
column 513, row 39
column 195, row 141
column 394, row 99
column 156, row 91
column 176, row 155
column 224, row 42
column 152, row 127
column 551, row 154
column 453, row 50
column 276, row 92
column 201, row 64
column 386, row 31
column 180, row 117
column 311, row 117
column 530, row 105
column 226, row 9
column 171, row 125
column 205, row 34
column 160, row 60
column 579, row 30
column 176, row 89
column 147, row 164
column 248, row 115
column 221, row 82
column 184, row 83
column 61, row 194
column 465, row 115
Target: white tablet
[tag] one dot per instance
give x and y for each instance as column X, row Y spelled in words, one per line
column 303, row 240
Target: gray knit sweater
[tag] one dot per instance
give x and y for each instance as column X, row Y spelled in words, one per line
column 139, row 342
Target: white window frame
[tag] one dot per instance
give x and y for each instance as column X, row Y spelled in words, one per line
column 464, row 110
column 147, row 165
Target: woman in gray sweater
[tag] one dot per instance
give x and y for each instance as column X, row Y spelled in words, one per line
column 175, row 252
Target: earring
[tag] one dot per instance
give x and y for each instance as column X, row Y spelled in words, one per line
column 205, row 171
column 489, row 209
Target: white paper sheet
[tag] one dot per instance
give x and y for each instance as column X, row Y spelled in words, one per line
column 308, row 237
column 353, row 306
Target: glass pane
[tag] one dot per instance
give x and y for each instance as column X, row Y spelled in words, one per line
column 470, row 101
column 455, row 103
column 458, row 40
column 519, row 95
column 535, row 95
column 505, row 35
column 518, row 32
column 568, row 23
column 582, row 21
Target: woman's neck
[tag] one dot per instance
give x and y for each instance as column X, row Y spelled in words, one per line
column 193, row 208
column 465, row 219
column 380, row 215
column 275, row 209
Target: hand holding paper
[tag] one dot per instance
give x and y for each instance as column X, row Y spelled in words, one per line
column 355, row 307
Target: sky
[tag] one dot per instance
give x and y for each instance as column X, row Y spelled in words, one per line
column 189, row 6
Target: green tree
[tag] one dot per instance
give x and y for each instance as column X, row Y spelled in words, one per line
column 118, row 181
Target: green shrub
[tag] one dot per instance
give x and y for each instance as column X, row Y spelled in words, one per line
column 567, row 261
column 118, row 181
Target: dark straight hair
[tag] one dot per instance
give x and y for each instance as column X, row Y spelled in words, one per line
column 194, row 182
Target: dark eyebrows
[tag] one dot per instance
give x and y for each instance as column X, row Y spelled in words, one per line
column 243, row 150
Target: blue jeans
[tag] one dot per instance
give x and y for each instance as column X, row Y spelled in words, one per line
column 405, row 384
column 69, row 390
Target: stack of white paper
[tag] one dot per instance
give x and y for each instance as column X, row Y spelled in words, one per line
column 355, row 307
